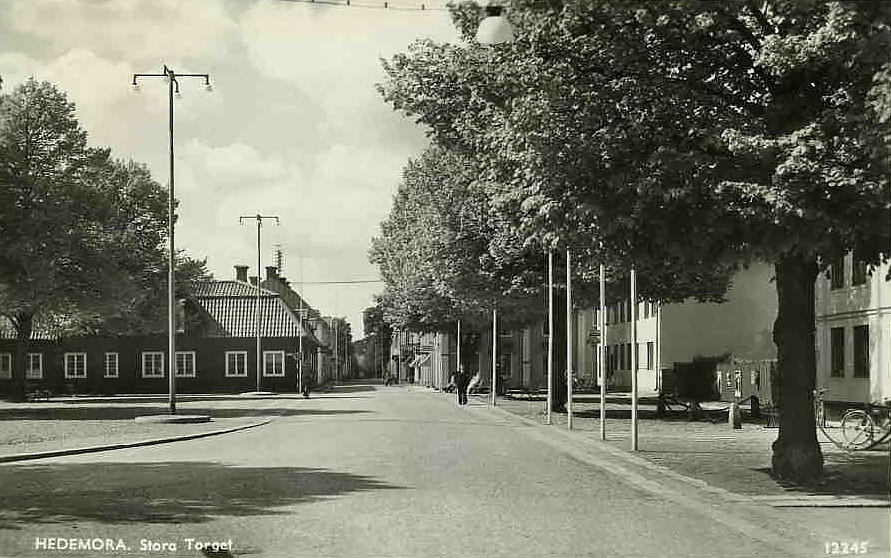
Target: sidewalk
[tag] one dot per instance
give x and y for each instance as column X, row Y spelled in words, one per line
column 30, row 428
column 735, row 461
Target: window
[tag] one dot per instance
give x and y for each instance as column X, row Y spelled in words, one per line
column 75, row 365
column 273, row 363
column 861, row 351
column 620, row 364
column 34, row 371
column 6, row 366
column 837, row 352
column 837, row 274
column 858, row 270
column 236, row 364
column 111, row 365
column 152, row 365
column 650, row 354
column 185, row 364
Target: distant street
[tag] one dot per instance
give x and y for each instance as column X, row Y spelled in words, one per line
column 384, row 471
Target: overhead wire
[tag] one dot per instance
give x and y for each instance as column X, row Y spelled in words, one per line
column 385, row 5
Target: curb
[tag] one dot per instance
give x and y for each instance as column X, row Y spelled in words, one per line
column 123, row 445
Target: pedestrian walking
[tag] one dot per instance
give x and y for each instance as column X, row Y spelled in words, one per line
column 461, row 381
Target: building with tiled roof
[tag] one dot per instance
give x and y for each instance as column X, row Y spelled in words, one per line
column 215, row 351
column 207, row 289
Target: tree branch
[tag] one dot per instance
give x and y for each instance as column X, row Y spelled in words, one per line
column 760, row 16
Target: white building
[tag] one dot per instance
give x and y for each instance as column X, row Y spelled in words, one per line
column 853, row 333
column 742, row 326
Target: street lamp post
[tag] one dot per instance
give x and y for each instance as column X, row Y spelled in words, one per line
column 172, row 88
column 259, row 219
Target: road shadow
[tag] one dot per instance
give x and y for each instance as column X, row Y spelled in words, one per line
column 175, row 492
column 123, row 413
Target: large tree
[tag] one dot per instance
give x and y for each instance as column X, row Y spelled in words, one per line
column 685, row 136
column 440, row 258
column 81, row 234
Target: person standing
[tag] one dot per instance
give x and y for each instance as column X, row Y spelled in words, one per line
column 461, row 381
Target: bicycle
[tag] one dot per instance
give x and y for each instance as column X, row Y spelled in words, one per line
column 863, row 429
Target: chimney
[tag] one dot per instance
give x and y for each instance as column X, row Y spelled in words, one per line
column 271, row 272
column 241, row 273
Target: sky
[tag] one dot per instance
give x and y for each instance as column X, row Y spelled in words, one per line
column 293, row 127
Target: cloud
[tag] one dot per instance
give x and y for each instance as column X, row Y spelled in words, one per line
column 294, row 127
column 136, row 29
column 333, row 53
column 236, row 162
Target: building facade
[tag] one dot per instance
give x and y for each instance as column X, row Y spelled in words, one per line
column 853, row 332
column 853, row 340
column 674, row 333
column 217, row 351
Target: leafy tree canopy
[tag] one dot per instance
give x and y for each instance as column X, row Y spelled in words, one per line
column 751, row 130
column 81, row 234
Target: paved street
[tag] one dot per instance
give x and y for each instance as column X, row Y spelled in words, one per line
column 394, row 471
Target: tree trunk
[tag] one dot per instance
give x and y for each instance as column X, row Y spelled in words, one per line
column 796, row 452
column 558, row 387
column 23, row 323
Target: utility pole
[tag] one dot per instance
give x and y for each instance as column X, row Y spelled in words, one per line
column 171, row 77
column 336, row 353
column 550, row 332
column 458, row 349
column 300, row 340
column 601, row 363
column 633, row 360
column 568, row 342
column 494, row 353
column 259, row 219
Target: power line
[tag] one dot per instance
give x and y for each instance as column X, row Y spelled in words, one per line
column 383, row 5
column 343, row 282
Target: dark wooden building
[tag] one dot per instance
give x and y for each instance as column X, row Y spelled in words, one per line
column 217, row 352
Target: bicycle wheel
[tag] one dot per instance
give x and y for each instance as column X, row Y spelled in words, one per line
column 858, row 429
